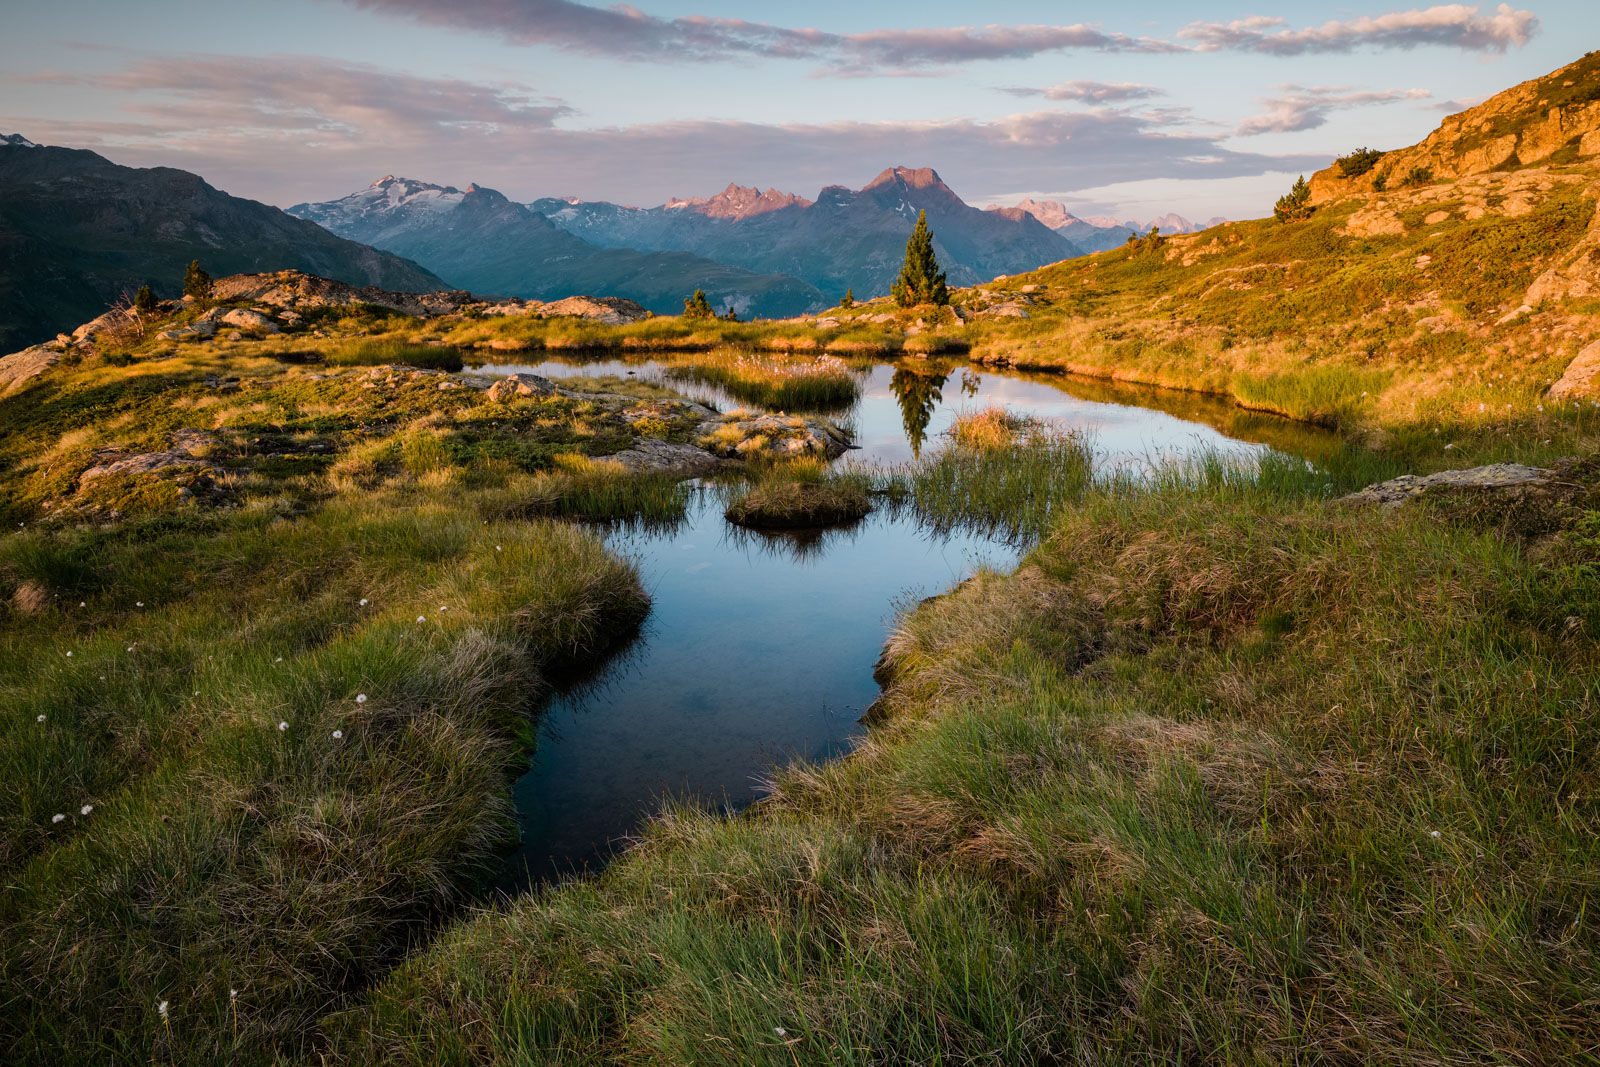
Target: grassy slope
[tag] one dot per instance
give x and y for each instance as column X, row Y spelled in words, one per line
column 1223, row 773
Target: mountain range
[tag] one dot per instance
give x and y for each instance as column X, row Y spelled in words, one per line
column 479, row 239
column 77, row 231
column 844, row 239
column 1097, row 233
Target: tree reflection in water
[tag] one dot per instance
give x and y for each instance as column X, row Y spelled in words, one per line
column 919, row 395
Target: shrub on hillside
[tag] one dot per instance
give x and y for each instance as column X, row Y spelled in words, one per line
column 1359, row 162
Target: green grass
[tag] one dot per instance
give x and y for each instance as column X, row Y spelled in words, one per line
column 220, row 852
column 777, row 383
column 1224, row 773
column 1000, row 484
column 1331, row 396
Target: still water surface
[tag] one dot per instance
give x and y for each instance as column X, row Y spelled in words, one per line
column 759, row 648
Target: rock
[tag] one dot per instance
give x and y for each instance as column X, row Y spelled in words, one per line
column 826, row 323
column 110, row 322
column 1031, row 288
column 19, row 368
column 1582, row 377
column 606, row 310
column 1007, row 311
column 30, row 598
column 650, row 455
column 521, row 385
column 773, row 435
column 296, row 289
column 1514, row 315
column 246, row 319
column 198, row 330
column 1397, row 491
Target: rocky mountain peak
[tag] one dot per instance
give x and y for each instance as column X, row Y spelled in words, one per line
column 1052, row 213
column 912, row 178
column 738, row 202
column 16, row 140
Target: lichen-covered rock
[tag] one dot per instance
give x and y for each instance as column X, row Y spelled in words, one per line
column 247, row 319
column 744, row 436
column 1407, row 487
column 606, row 310
column 649, row 455
column 296, row 289
column 521, row 385
column 186, row 449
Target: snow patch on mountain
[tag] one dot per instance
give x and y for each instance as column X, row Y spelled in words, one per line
column 16, row 140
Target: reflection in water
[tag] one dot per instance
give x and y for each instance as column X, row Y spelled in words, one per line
column 760, row 645
column 919, row 396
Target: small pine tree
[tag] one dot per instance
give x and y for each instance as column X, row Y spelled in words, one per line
column 920, row 281
column 730, row 315
column 698, row 307
column 197, row 283
column 144, row 301
column 849, row 300
column 1296, row 204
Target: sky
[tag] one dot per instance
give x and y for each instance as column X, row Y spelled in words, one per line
column 1129, row 110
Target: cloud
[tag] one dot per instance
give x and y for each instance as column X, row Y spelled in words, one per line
column 195, row 97
column 1090, row 91
column 626, row 32
column 623, row 31
column 298, row 128
column 1445, row 25
column 1302, row 108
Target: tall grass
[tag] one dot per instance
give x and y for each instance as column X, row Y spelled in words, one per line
column 1001, row 475
column 204, row 847
column 1221, row 775
column 799, row 493
column 1327, row 395
column 777, row 383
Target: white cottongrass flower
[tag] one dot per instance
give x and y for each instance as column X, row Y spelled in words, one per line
column 444, row 607
column 69, row 653
column 1435, row 833
column 138, row 603
column 361, row 698
column 58, row 817
column 39, row 719
column 162, row 1008
column 338, row 735
column 282, row 726
column 130, row 648
column 86, row 809
column 497, row 548
column 278, row 660
column 363, row 601
column 422, row 618
column 83, row 603
column 780, row 1031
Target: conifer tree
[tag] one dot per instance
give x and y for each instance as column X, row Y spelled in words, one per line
column 920, row 281
column 1296, row 204
column 697, row 306
column 144, row 301
column 196, row 282
column 849, row 300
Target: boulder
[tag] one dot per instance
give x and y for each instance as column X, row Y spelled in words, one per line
column 17, row 369
column 521, row 385
column 1582, row 377
column 786, row 436
column 199, row 330
column 246, row 319
column 650, row 455
column 1398, row 491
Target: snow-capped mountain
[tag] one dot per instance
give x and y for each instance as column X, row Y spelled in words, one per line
column 16, row 140
column 480, row 239
column 1096, row 233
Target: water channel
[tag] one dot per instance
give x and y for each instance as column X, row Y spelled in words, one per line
column 759, row 647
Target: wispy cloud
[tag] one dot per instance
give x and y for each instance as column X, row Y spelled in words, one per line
column 1089, row 91
column 1445, row 25
column 297, row 128
column 626, row 32
column 1305, row 108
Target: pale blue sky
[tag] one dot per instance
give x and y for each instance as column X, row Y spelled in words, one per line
column 1130, row 109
